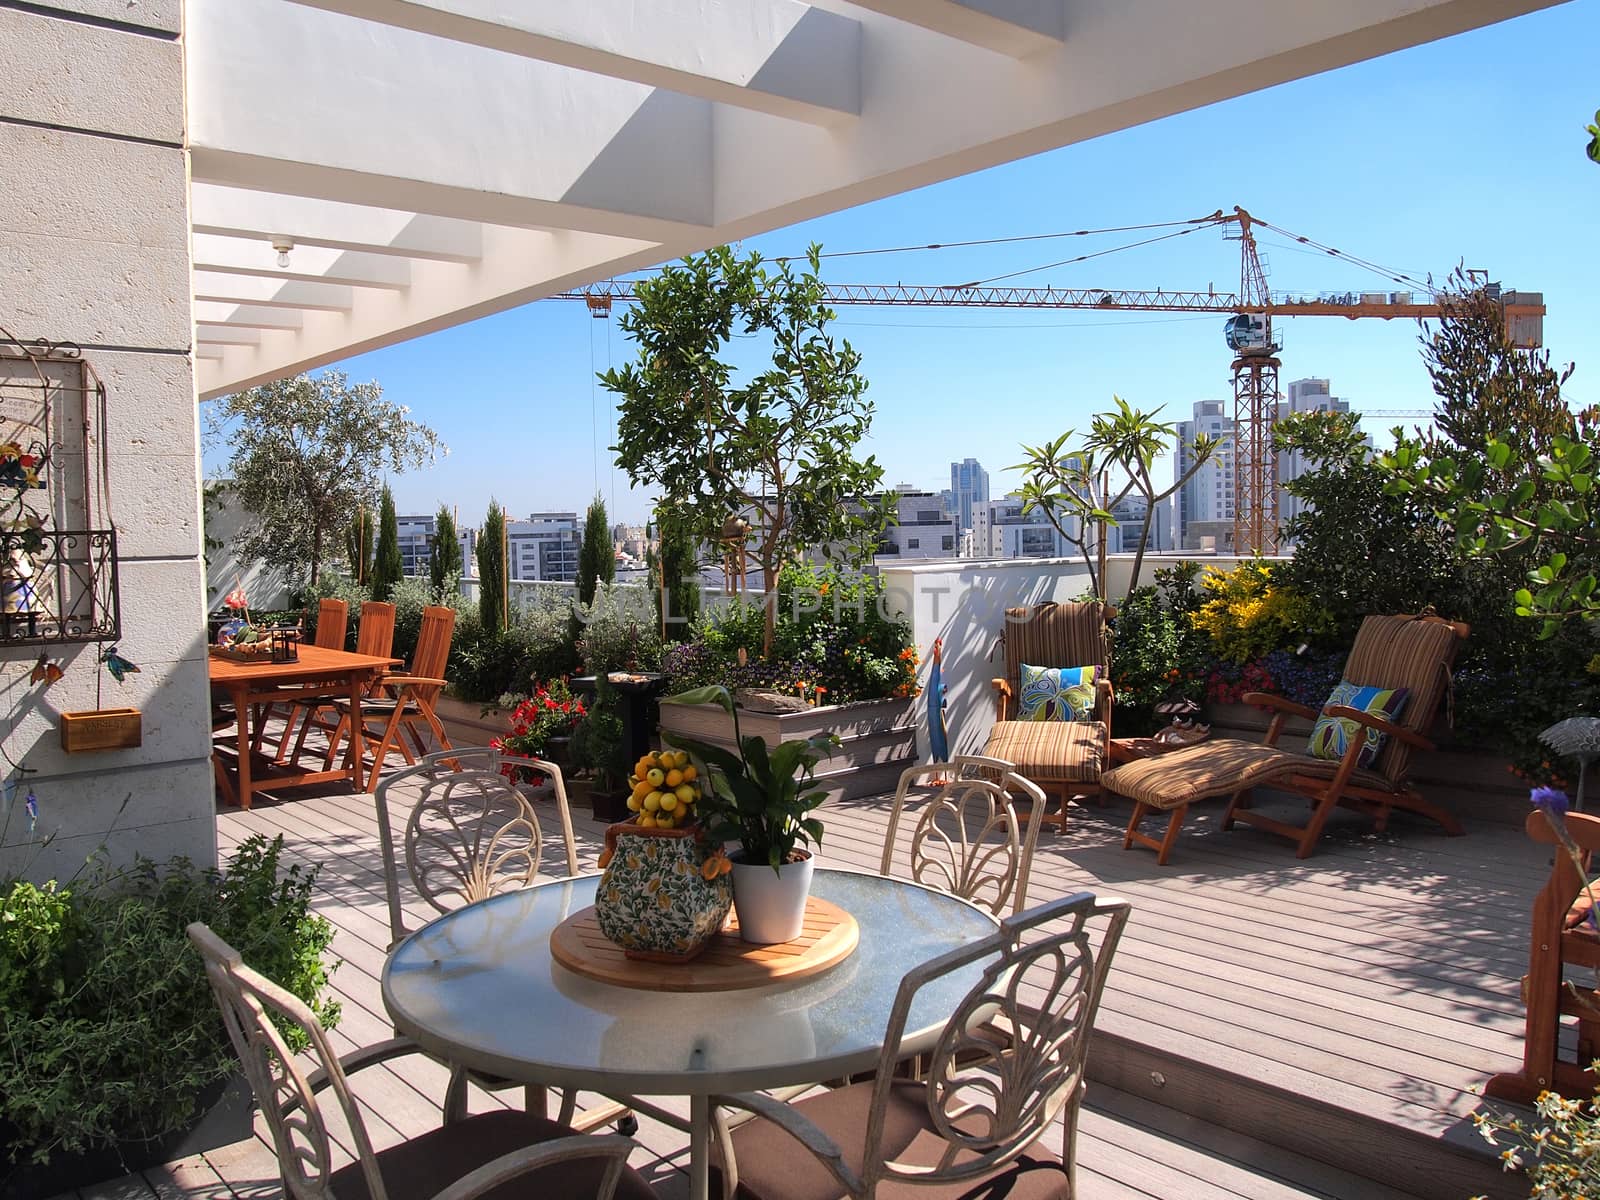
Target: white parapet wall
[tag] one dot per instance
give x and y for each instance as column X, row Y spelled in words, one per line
column 96, row 251
column 963, row 603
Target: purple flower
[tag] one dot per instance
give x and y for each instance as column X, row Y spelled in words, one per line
column 1552, row 800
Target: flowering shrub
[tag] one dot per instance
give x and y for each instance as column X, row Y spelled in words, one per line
column 1247, row 613
column 833, row 644
column 552, row 711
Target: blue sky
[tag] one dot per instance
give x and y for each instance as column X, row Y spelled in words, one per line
column 1466, row 149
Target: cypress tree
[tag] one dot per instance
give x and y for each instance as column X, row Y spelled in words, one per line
column 445, row 560
column 388, row 568
column 358, row 544
column 492, row 570
column 597, row 559
column 675, row 575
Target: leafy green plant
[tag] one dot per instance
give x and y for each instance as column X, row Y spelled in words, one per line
column 444, row 557
column 108, row 1032
column 616, row 632
column 757, row 796
column 597, row 741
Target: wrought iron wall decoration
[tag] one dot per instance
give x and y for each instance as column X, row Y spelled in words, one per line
column 58, row 546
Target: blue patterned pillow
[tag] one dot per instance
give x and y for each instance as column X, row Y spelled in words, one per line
column 1056, row 694
column 1330, row 736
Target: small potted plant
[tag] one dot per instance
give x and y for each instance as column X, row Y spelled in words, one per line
column 540, row 728
column 761, row 798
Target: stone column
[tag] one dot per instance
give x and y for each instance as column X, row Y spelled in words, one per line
column 94, row 250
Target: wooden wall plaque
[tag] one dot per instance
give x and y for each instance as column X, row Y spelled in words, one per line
column 102, row 729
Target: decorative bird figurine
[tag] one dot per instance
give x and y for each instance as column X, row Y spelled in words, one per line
column 119, row 667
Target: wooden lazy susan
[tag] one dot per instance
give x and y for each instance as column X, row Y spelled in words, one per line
column 726, row 964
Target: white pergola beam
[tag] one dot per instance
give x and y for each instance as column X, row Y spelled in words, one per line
column 247, row 316
column 244, row 256
column 262, row 216
column 1016, row 28
column 376, row 115
column 781, row 57
column 518, row 266
column 288, row 294
column 226, row 335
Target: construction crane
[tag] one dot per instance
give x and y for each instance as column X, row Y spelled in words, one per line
column 1248, row 333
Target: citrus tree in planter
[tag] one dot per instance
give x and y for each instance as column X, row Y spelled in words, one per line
column 774, row 448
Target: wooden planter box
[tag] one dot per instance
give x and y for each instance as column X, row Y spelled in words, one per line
column 1473, row 785
column 879, row 738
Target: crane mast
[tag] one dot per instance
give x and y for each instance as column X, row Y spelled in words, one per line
column 1248, row 333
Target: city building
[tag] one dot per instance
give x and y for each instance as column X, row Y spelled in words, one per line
column 544, row 547
column 632, row 540
column 969, row 487
column 416, row 543
column 1205, row 503
column 923, row 526
column 1132, row 516
column 1304, row 395
column 1002, row 530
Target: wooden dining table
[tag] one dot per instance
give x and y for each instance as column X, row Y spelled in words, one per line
column 317, row 673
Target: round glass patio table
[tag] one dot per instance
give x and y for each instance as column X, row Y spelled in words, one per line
column 478, row 988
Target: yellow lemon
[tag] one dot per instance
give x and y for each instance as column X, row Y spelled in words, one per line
column 689, row 773
column 669, row 801
column 665, row 822
column 642, row 788
column 652, row 802
column 643, row 765
column 685, row 793
column 633, row 804
column 646, row 821
column 674, row 777
column 656, row 776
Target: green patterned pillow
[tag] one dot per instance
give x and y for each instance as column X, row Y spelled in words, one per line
column 1330, row 736
column 1056, row 694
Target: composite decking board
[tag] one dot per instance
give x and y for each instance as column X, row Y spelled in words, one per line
column 1234, row 936
column 1250, row 1049
column 1157, row 916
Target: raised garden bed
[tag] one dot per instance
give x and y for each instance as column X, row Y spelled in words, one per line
column 878, row 738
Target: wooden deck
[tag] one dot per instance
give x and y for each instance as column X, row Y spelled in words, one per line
column 1272, row 1028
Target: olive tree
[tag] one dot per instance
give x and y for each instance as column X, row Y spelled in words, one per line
column 306, row 453
column 774, row 446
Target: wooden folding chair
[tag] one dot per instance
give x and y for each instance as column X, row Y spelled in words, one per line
column 404, row 704
column 375, row 638
column 1413, row 652
column 333, row 622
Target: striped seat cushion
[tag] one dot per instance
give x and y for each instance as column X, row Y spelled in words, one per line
column 1055, row 751
column 1218, row 768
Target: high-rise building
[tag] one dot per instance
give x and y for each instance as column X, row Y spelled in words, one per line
column 1305, row 395
column 969, row 487
column 1205, row 503
column 1133, row 515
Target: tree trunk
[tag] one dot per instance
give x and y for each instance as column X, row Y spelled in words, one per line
column 316, row 554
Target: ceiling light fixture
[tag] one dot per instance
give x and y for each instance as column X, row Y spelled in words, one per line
column 283, row 245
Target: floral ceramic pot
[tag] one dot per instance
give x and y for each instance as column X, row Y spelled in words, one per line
column 654, row 899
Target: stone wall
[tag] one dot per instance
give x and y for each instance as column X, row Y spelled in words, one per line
column 94, row 250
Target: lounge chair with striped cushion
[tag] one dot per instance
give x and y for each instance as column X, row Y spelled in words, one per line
column 1412, row 652
column 1061, row 756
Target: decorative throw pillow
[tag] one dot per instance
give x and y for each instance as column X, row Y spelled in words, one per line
column 1330, row 736
column 1056, row 694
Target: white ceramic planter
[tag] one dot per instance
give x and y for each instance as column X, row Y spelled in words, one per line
column 771, row 903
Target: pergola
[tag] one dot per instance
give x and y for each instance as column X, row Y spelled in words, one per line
column 365, row 171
